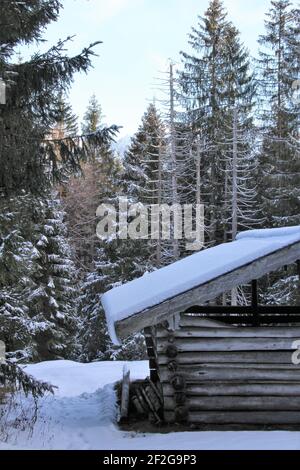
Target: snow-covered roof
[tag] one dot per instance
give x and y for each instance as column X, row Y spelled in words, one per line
column 168, row 282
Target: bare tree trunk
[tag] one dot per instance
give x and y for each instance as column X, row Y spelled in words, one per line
column 234, row 176
column 198, row 172
column 173, row 153
column 159, row 202
column 234, row 190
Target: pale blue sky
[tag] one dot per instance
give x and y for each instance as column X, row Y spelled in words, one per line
column 139, row 36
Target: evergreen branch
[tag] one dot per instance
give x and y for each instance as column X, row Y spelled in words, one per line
column 14, row 375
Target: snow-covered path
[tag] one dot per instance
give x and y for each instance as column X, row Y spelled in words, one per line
column 82, row 415
column 83, row 412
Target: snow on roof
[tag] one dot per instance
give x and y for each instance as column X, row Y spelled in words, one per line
column 188, row 273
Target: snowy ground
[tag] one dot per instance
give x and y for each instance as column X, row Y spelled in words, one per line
column 82, row 415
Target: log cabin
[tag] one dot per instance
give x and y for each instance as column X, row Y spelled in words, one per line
column 218, row 364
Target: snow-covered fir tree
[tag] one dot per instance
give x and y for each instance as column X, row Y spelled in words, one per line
column 35, row 267
column 85, row 192
column 37, row 306
column 217, row 82
column 17, row 265
column 143, row 183
column 52, row 302
column 279, row 157
column 120, row 260
column 65, row 120
column 202, row 84
column 238, row 141
column 279, row 169
column 99, row 184
column 93, row 116
column 181, row 162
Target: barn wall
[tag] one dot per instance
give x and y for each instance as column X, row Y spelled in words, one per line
column 212, row 373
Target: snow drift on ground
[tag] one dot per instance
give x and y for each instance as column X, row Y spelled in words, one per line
column 190, row 272
column 82, row 416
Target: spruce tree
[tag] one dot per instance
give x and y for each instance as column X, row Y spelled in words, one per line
column 66, row 122
column 29, row 159
column 238, row 140
column 217, row 82
column 99, row 271
column 118, row 261
column 36, row 272
column 84, row 193
column 279, row 69
column 17, row 266
column 37, row 305
column 202, row 84
column 279, row 156
column 143, row 183
column 93, row 117
column 181, row 164
column 52, row 302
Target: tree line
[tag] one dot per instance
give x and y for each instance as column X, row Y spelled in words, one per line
column 226, row 136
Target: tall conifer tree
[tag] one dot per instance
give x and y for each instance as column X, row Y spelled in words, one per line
column 215, row 84
column 279, row 160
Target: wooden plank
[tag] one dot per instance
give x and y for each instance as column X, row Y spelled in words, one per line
column 152, row 363
column 189, row 320
column 254, row 301
column 228, row 344
column 235, row 332
column 152, row 352
column 234, row 365
column 242, row 309
column 266, row 357
column 237, row 389
column 207, row 291
column 274, row 320
column 125, row 394
column 199, row 321
column 237, row 403
column 203, row 374
column 150, row 336
column 151, row 405
column 239, row 417
column 154, row 376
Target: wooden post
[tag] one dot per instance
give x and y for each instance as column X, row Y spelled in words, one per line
column 298, row 287
column 125, row 394
column 255, row 302
column 151, row 354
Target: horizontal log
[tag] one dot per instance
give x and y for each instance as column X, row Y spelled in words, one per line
column 201, row 310
column 236, row 389
column 228, row 344
column 262, row 332
column 232, row 365
column 239, row 417
column 266, row 357
column 237, row 403
column 290, row 320
column 204, row 322
column 203, row 374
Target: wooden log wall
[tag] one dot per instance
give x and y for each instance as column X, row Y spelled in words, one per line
column 218, row 374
